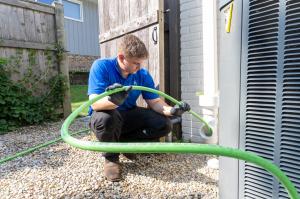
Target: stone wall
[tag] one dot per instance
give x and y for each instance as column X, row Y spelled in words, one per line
column 79, row 67
column 80, row 63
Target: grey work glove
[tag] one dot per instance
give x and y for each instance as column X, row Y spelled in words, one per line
column 178, row 110
column 119, row 97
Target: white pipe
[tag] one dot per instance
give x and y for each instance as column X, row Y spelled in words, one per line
column 209, row 99
column 209, row 46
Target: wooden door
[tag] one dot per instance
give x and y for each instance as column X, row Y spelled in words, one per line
column 143, row 18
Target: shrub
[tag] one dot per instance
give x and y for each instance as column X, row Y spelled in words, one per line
column 20, row 107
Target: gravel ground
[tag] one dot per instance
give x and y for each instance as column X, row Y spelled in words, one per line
column 62, row 171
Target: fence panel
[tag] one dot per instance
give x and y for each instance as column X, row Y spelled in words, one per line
column 31, row 38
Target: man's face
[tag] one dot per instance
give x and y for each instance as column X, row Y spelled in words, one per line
column 131, row 65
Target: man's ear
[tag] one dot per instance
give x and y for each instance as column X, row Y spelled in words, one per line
column 121, row 56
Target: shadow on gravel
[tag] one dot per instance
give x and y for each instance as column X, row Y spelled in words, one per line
column 169, row 168
column 179, row 168
column 113, row 190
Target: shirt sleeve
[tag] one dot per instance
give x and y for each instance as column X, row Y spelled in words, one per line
column 98, row 78
column 150, row 84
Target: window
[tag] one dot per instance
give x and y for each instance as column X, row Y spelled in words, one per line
column 73, row 10
column 45, row 1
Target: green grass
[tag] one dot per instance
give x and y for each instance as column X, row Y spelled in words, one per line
column 78, row 97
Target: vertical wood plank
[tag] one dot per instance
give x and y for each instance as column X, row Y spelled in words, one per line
column 113, row 48
column 161, row 45
column 50, row 33
column 38, row 27
column 102, row 50
column 144, row 8
column 134, row 7
column 124, row 12
column 29, row 25
column 106, row 18
column 11, row 33
column 118, row 41
column 20, row 24
column 153, row 6
column 44, row 28
column 107, row 49
column 113, row 14
column 100, row 14
column 4, row 29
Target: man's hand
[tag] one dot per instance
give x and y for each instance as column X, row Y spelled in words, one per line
column 178, row 110
column 119, row 97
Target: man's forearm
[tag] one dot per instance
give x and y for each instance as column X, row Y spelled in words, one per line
column 160, row 106
column 103, row 104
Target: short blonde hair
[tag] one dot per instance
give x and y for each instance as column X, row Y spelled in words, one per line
column 132, row 47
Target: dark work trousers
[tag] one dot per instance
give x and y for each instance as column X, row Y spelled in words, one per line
column 136, row 125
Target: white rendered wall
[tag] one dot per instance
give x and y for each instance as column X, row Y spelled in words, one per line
column 196, row 75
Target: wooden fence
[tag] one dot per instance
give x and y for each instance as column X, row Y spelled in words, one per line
column 32, row 35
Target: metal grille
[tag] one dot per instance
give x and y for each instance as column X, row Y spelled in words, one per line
column 261, row 93
column 290, row 126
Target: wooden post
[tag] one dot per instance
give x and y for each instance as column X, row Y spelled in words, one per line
column 172, row 44
column 63, row 61
column 161, row 43
column 161, row 47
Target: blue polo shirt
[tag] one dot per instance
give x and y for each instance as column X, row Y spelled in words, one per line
column 105, row 72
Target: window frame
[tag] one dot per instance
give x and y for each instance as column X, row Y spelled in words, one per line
column 72, row 1
column 80, row 8
column 37, row 1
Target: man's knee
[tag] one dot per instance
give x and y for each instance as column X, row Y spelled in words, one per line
column 106, row 122
column 101, row 120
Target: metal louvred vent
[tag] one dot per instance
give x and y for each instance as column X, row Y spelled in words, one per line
column 261, row 93
column 290, row 126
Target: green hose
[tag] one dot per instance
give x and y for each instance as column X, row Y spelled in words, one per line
column 32, row 149
column 172, row 147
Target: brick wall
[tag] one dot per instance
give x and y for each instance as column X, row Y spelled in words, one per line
column 191, row 64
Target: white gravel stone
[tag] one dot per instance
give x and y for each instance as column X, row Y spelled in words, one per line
column 62, row 171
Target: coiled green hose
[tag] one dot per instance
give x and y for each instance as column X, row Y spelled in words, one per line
column 172, row 147
column 37, row 147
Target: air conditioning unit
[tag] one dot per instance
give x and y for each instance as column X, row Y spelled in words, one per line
column 259, row 104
